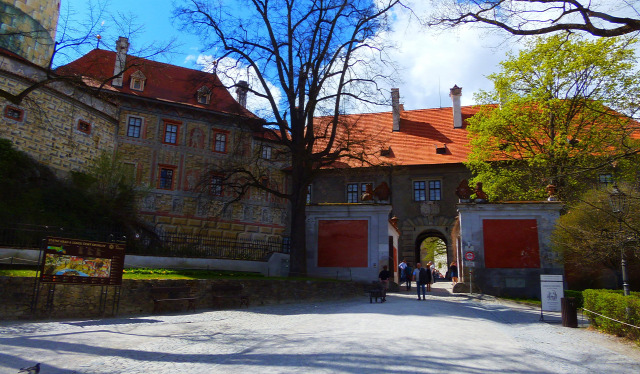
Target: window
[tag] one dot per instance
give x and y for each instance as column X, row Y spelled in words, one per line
column 605, row 179
column 309, row 193
column 84, row 126
column 134, row 127
column 165, row 182
column 13, row 113
column 266, row 152
column 137, row 81
column 220, row 142
column 352, row 192
column 419, row 191
column 355, row 191
column 171, row 133
column 204, row 95
column 216, row 185
column 434, row 190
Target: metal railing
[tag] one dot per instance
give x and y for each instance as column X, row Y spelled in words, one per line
column 150, row 244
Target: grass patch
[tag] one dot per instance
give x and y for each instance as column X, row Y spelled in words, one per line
column 523, row 300
column 143, row 273
column 147, row 273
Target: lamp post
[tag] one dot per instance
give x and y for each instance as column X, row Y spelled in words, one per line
column 617, row 200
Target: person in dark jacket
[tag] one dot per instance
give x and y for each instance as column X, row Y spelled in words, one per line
column 384, row 276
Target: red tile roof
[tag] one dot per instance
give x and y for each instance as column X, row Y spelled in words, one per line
column 421, row 132
column 164, row 82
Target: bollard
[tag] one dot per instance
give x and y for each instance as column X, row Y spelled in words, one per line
column 569, row 312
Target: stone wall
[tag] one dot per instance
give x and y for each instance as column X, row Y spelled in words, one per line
column 82, row 301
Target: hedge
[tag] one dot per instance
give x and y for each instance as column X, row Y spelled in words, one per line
column 576, row 295
column 615, row 305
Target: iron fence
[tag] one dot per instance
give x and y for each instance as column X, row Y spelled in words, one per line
column 150, row 244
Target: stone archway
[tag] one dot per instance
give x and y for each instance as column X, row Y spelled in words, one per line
column 416, row 230
column 431, row 245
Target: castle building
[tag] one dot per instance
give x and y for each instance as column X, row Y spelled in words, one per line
column 172, row 126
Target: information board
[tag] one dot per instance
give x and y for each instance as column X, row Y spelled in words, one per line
column 76, row 261
column 551, row 292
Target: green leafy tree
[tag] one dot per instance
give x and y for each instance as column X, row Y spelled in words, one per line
column 590, row 238
column 561, row 111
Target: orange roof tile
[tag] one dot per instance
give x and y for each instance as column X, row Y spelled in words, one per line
column 421, row 132
column 164, row 82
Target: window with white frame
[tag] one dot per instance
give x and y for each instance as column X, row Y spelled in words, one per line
column 204, row 95
column 137, row 81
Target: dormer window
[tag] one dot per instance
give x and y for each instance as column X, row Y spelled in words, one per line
column 204, row 95
column 137, row 81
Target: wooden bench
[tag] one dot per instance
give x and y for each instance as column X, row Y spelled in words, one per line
column 376, row 291
column 163, row 295
column 229, row 291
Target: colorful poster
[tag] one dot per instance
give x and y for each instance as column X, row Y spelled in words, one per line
column 82, row 262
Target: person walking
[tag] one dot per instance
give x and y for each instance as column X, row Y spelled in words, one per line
column 408, row 271
column 419, row 283
column 430, row 268
column 453, row 271
column 384, row 276
column 402, row 272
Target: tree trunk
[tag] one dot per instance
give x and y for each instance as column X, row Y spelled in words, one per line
column 298, row 256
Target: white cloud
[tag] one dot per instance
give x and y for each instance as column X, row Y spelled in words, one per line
column 430, row 61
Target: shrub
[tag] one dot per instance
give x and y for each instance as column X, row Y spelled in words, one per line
column 577, row 295
column 615, row 305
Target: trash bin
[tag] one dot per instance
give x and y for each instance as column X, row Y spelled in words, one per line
column 569, row 312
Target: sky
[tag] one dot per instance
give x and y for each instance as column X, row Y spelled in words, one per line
column 429, row 62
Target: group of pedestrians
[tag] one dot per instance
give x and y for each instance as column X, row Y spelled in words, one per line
column 423, row 276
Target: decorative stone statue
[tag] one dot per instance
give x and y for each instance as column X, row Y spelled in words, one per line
column 368, row 193
column 382, row 192
column 481, row 196
column 464, row 191
column 551, row 191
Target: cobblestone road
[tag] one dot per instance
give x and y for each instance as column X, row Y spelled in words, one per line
column 444, row 334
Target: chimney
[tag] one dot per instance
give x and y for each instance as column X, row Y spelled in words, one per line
column 395, row 108
column 455, row 94
column 241, row 91
column 122, row 47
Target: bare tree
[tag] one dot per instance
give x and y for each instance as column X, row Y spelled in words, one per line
column 309, row 58
column 535, row 17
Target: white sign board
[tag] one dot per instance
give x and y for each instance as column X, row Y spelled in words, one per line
column 551, row 292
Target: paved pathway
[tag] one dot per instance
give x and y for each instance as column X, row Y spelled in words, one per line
column 444, row 334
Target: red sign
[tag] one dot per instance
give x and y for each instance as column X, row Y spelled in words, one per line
column 470, row 256
column 78, row 261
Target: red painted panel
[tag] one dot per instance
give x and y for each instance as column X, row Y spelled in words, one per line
column 511, row 243
column 343, row 243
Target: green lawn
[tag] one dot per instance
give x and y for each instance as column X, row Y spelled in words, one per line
column 154, row 274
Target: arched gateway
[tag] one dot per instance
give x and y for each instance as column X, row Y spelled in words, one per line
column 427, row 238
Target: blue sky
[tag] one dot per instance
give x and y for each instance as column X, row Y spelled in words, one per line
column 428, row 62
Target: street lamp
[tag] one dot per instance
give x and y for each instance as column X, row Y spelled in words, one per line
column 618, row 199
